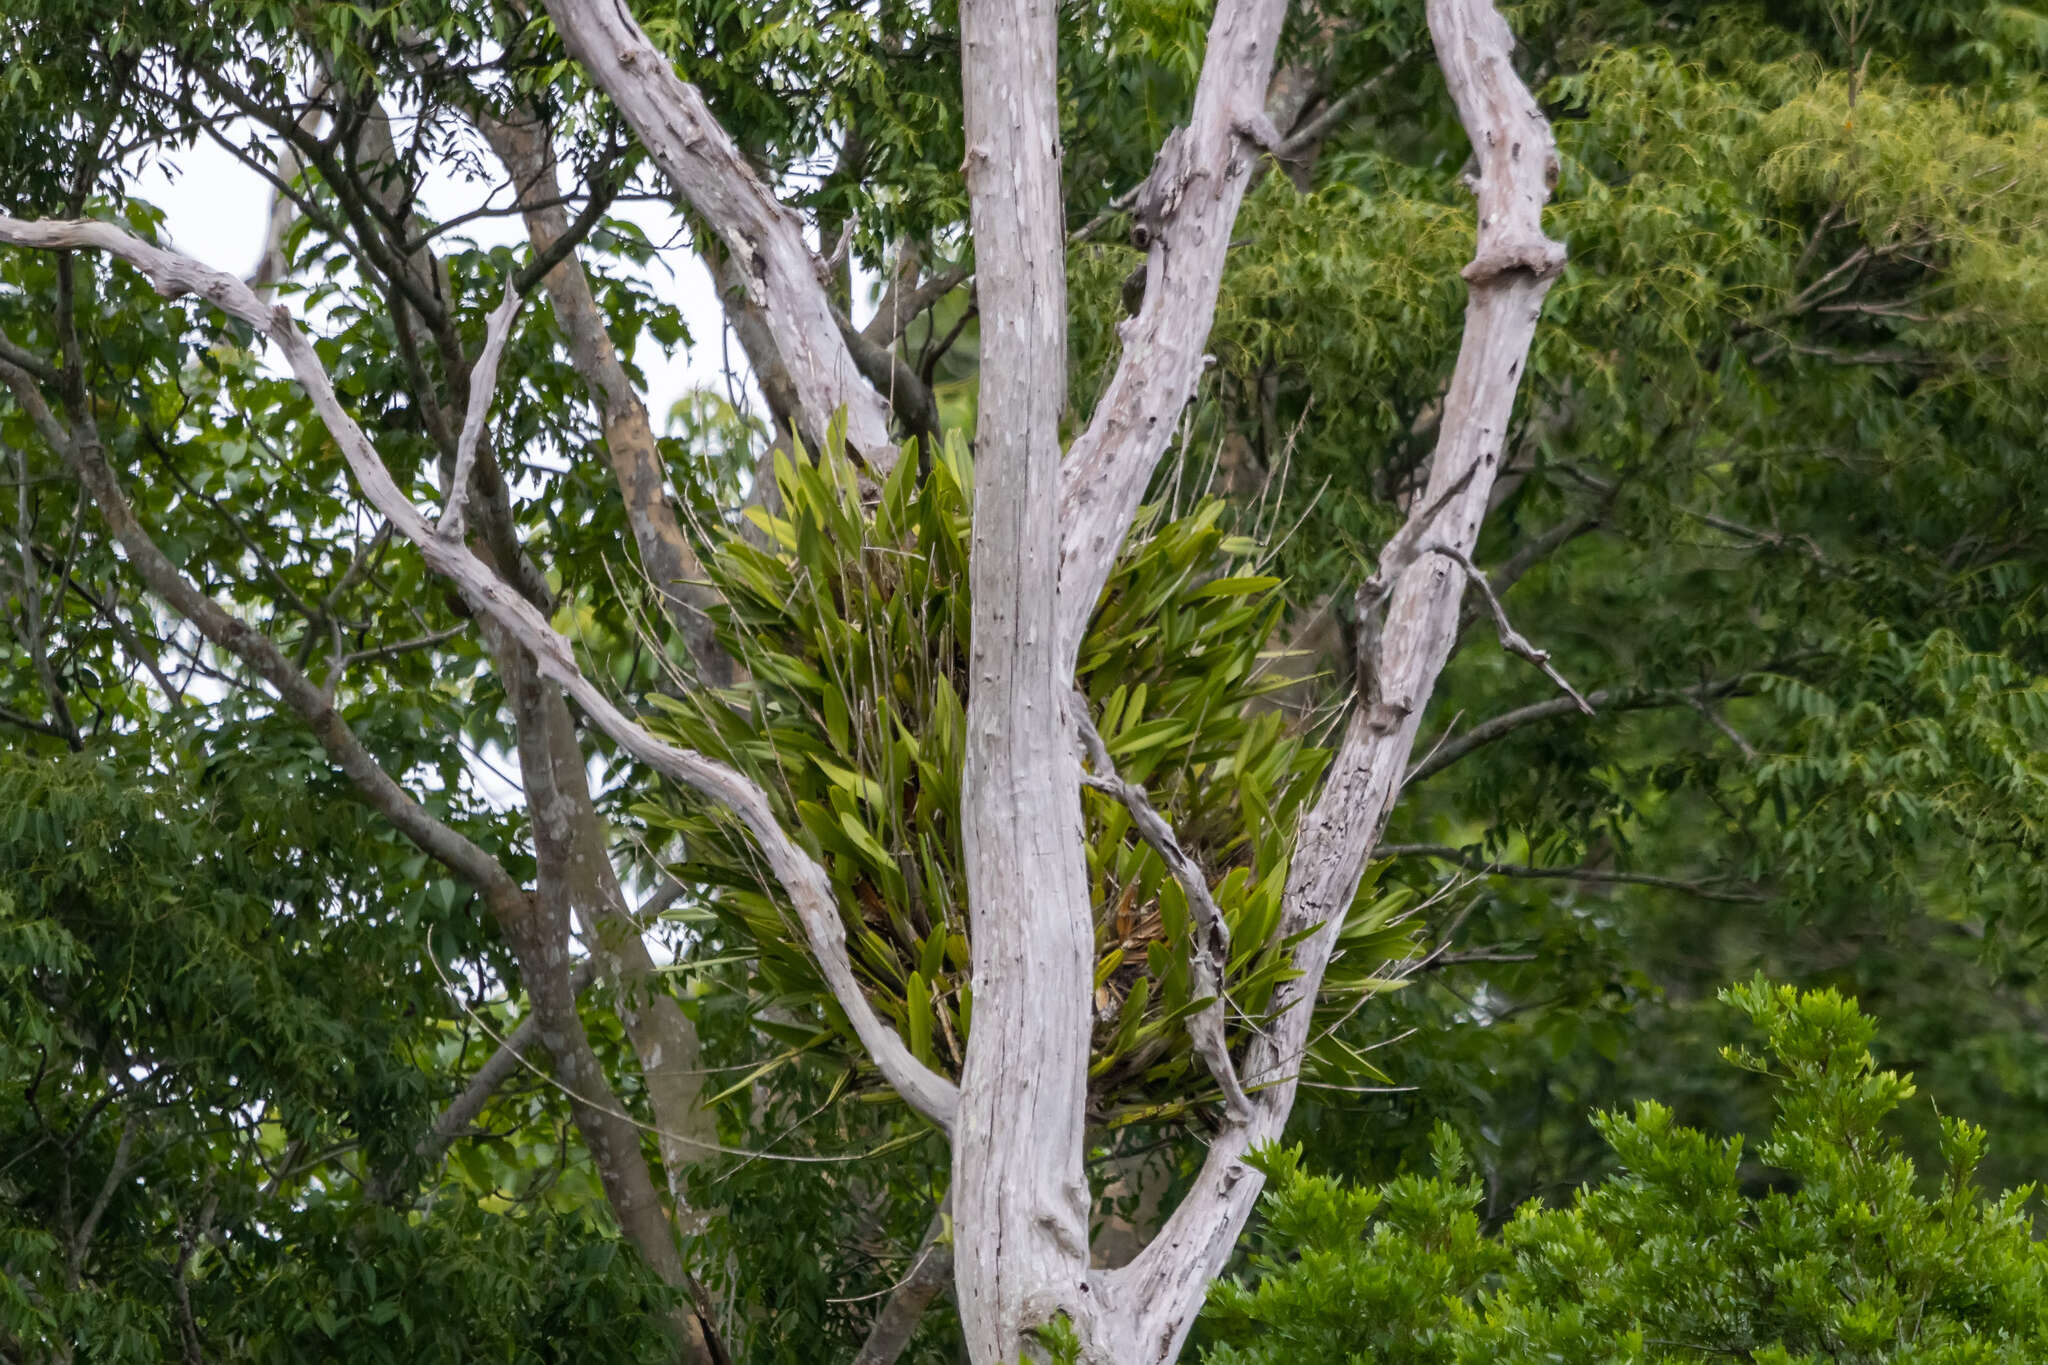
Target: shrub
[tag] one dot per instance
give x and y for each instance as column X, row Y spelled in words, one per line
column 1831, row 1248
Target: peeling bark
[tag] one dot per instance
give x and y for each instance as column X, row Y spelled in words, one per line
column 1020, row 1193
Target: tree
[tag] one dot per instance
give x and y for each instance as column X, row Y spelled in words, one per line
column 1789, row 235
column 1018, row 1115
column 1771, row 513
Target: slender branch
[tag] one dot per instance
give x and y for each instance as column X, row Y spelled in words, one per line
column 895, row 315
column 42, row 727
column 509, row 1058
column 1449, row 751
column 1540, row 547
column 929, row 1273
column 34, row 618
column 1713, row 717
column 808, row 886
column 1209, row 948
column 1472, row 862
column 1509, row 276
column 1309, row 133
column 1512, row 640
column 81, row 1240
column 483, row 383
column 427, row 641
column 27, row 362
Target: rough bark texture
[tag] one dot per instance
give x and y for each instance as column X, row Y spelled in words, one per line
column 663, row 1038
column 665, row 553
column 1184, row 214
column 1020, row 1196
column 764, row 236
column 1154, row 1300
column 1020, row 1193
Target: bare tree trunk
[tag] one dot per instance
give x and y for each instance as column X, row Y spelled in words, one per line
column 1020, row 1194
column 779, row 271
column 1017, row 1120
column 1417, row 587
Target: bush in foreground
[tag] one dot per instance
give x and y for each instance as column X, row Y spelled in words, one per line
column 1829, row 1247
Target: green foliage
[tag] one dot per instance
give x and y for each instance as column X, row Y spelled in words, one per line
column 852, row 623
column 211, row 1035
column 1829, row 1246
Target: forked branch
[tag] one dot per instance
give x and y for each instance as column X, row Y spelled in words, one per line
column 802, row 879
column 1511, row 640
column 1185, row 211
column 1511, row 271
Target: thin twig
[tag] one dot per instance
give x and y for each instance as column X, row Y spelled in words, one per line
column 1210, row 957
column 1511, row 639
column 483, row 382
column 1472, row 862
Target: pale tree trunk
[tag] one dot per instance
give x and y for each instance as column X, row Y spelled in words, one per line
column 1017, row 1122
column 1020, row 1193
column 777, row 269
column 1417, row 586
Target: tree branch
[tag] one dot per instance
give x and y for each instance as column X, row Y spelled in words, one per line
column 1184, row 213
column 483, row 385
column 806, row 883
column 894, row 316
column 927, row 1276
column 510, row 1057
column 1444, row 853
column 1509, row 275
column 763, row 235
column 666, row 556
column 1209, row 948
column 1449, row 751
column 1511, row 640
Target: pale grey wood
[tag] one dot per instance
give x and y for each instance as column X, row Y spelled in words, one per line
column 1020, row 1191
column 763, row 235
column 1150, row 1304
column 802, row 879
column 1185, row 212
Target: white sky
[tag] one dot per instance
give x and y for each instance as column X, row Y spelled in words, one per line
column 217, row 210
